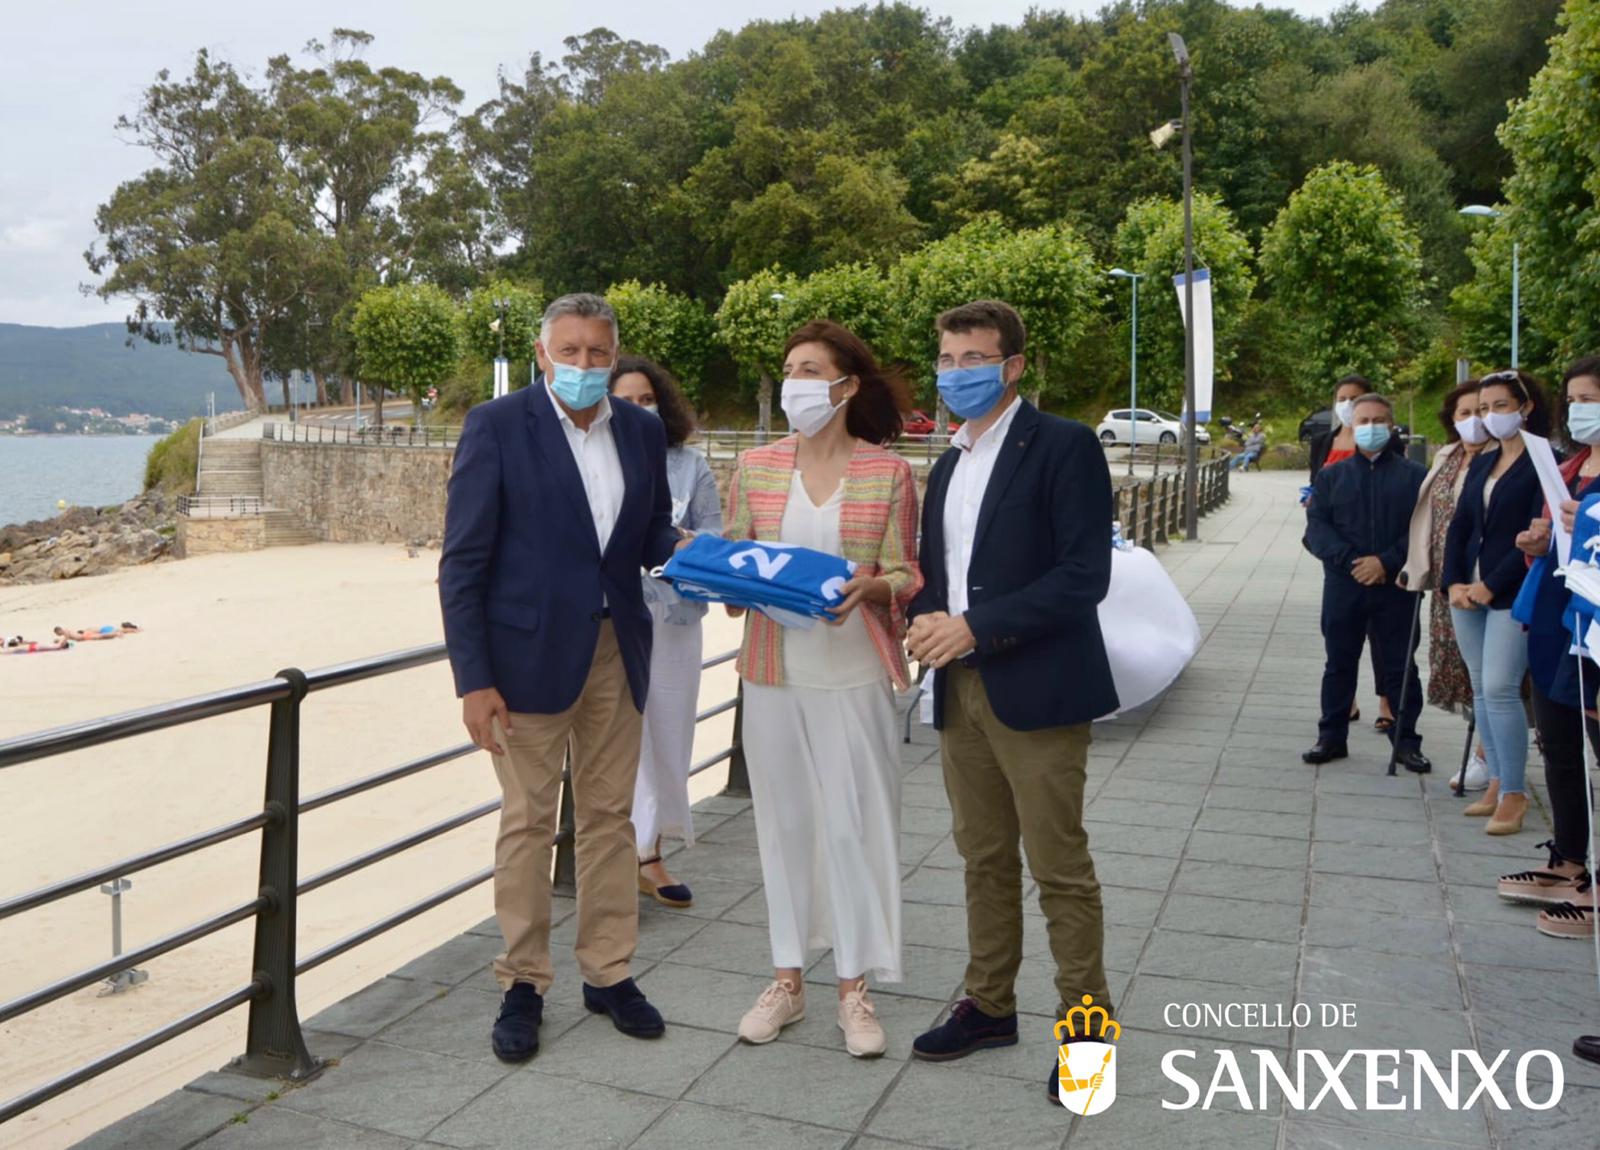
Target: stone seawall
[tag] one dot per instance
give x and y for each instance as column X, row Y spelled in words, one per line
column 217, row 536
column 355, row 494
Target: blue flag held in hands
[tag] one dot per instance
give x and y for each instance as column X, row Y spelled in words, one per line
column 793, row 585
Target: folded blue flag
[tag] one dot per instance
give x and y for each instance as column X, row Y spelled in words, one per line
column 794, row 582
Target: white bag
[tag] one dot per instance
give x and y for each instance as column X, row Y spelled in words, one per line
column 1150, row 633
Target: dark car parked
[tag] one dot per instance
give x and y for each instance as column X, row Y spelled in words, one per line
column 1321, row 422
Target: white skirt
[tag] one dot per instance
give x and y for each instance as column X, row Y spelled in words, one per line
column 825, row 779
column 661, row 794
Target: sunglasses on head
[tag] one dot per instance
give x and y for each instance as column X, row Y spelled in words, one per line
column 1502, row 377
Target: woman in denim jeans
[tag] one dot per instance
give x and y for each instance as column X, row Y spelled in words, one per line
column 1484, row 570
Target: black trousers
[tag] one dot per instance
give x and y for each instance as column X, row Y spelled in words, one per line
column 1565, row 771
column 1350, row 614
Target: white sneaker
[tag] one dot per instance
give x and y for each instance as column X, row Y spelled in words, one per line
column 777, row 1007
column 1477, row 774
column 863, row 1033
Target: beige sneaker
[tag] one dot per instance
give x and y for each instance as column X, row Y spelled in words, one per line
column 863, row 1033
column 777, row 1007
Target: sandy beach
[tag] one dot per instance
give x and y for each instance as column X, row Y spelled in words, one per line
column 209, row 623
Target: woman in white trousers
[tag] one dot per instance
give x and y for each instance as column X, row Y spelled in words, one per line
column 661, row 792
column 819, row 729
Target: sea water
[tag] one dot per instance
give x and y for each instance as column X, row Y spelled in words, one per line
column 38, row 471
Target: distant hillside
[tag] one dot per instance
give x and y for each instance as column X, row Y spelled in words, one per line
column 52, row 367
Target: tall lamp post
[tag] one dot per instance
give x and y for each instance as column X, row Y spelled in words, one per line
column 1133, row 279
column 502, row 369
column 1483, row 210
column 1191, row 485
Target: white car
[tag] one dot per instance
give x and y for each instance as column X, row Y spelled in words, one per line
column 1153, row 427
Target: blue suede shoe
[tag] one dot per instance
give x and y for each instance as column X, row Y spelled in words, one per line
column 966, row 1030
column 629, row 1009
column 516, row 1031
column 675, row 895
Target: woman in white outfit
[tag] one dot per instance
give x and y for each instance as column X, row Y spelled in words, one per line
column 661, row 793
column 819, row 729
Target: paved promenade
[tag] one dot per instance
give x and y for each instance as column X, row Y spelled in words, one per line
column 1232, row 874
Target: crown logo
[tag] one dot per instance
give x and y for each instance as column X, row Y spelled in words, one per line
column 1087, row 1014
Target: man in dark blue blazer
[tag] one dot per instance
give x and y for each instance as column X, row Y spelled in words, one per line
column 1016, row 554
column 1358, row 523
column 557, row 498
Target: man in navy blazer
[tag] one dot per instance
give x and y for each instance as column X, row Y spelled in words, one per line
column 1016, row 553
column 557, row 498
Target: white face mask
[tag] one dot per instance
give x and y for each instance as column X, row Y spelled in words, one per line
column 805, row 404
column 1503, row 424
column 1471, row 430
column 1344, row 411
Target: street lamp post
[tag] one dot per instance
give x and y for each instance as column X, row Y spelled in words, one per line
column 502, row 369
column 1191, row 491
column 1485, row 211
column 1133, row 279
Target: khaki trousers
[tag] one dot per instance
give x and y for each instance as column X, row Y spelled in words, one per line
column 604, row 728
column 1005, row 785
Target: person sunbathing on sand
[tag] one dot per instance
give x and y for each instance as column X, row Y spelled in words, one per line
column 21, row 646
column 98, row 633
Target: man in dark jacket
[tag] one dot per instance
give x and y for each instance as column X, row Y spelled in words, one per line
column 1358, row 524
column 1016, row 554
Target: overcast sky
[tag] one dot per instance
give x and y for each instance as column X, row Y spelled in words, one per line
column 68, row 68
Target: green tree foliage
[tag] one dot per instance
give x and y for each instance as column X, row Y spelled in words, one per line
column 1150, row 242
column 1048, row 274
column 831, row 147
column 174, row 461
column 1551, row 197
column 407, row 338
column 671, row 329
column 753, row 322
column 1345, row 266
column 218, row 237
column 486, row 331
column 855, row 295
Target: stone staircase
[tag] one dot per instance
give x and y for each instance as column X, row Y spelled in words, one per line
column 229, row 467
column 232, row 468
column 285, row 529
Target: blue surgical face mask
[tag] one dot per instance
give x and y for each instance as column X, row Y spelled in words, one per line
column 972, row 392
column 578, row 388
column 1372, row 437
column 1583, row 423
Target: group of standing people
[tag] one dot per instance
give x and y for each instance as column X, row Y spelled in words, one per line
column 1476, row 530
column 562, row 493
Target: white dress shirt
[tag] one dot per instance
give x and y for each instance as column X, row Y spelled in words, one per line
column 595, row 453
column 964, row 497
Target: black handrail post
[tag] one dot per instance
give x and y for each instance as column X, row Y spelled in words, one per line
column 565, row 880
column 738, row 785
column 274, row 1044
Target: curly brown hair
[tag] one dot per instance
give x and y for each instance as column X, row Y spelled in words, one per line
column 876, row 412
column 670, row 404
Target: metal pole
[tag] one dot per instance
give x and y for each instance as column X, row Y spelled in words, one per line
column 738, row 783
column 1133, row 381
column 1191, row 507
column 123, row 979
column 1516, row 299
column 565, row 880
column 274, row 1044
column 1407, row 670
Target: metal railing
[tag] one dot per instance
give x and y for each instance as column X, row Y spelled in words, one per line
column 275, row 1045
column 389, row 435
column 220, row 506
column 1151, row 509
column 726, row 443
